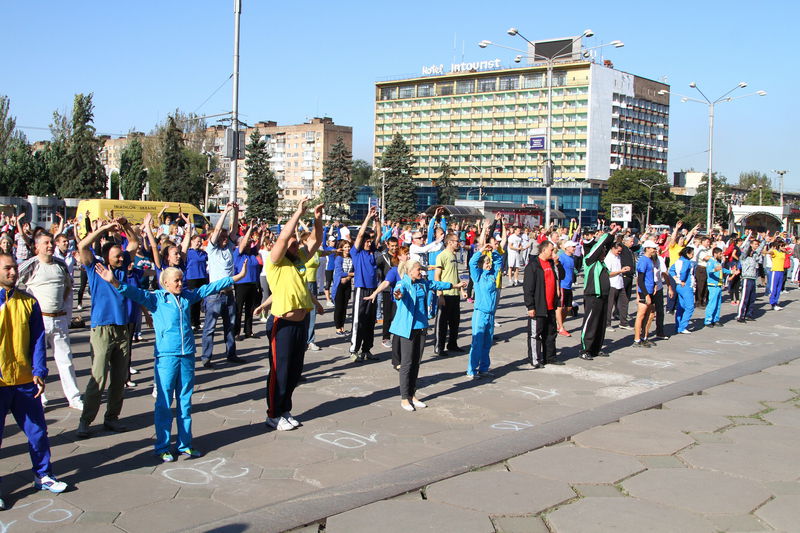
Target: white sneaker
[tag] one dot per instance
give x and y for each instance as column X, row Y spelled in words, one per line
column 281, row 424
column 49, row 483
column 292, row 420
column 79, row 308
column 134, row 371
column 76, row 403
column 774, row 308
column 685, row 332
column 330, row 304
column 418, row 404
column 386, row 344
column 44, row 400
column 313, row 347
column 155, row 392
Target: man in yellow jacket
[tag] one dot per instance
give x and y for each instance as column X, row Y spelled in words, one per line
column 23, row 370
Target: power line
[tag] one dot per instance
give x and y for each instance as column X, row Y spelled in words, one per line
column 212, row 94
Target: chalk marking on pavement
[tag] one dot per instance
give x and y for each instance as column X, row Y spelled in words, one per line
column 67, row 514
column 205, row 477
column 607, row 378
column 653, row 363
column 512, row 425
column 700, row 351
column 779, row 326
column 733, row 342
column 5, row 527
column 359, row 440
column 539, row 394
column 764, row 333
column 649, row 383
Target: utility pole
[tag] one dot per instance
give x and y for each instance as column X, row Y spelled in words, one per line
column 781, row 173
column 237, row 13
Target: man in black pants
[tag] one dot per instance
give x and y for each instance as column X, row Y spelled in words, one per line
column 595, row 296
column 448, row 312
column 541, row 293
column 364, row 282
column 385, row 259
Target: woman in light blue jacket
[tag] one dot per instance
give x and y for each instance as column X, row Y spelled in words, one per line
column 410, row 324
column 683, row 274
column 174, row 350
column 483, row 268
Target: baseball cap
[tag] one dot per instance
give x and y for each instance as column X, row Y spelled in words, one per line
column 570, row 243
column 650, row 244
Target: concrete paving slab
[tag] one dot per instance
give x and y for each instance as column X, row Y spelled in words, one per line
column 746, row 523
column 747, row 459
column 742, row 392
column 781, row 513
column 272, row 454
column 500, row 493
column 519, row 524
column 253, row 494
column 574, row 464
column 597, row 491
column 788, row 369
column 766, row 379
column 120, row 493
column 716, row 405
column 784, row 417
column 171, row 515
column 625, row 515
column 661, row 461
column 395, row 516
column 700, row 491
column 331, row 474
column 677, row 419
column 630, row 440
column 777, row 436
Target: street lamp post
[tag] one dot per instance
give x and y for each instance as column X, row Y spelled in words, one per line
column 383, row 171
column 549, row 62
column 649, row 197
column 781, row 174
column 237, row 14
column 711, row 105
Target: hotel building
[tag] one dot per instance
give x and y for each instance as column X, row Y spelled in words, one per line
column 489, row 123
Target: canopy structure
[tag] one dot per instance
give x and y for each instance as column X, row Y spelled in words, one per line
column 759, row 221
column 456, row 211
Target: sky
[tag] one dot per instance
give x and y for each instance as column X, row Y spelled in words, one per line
column 144, row 59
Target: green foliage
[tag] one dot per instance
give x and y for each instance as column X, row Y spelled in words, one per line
column 113, row 185
column 446, row 191
column 8, row 125
column 631, row 186
column 16, row 168
column 401, row 198
column 338, row 191
column 261, row 186
column 362, row 172
column 698, row 206
column 84, row 175
column 758, row 187
column 132, row 173
column 177, row 184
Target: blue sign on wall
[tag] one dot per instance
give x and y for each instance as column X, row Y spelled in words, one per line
column 537, row 142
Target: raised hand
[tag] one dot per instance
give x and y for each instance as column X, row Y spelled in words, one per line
column 319, row 210
column 105, row 273
column 301, row 204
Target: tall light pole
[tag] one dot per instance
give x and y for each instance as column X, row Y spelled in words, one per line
column 549, row 62
column 383, row 171
column 649, row 197
column 237, row 14
column 781, row 174
column 711, row 104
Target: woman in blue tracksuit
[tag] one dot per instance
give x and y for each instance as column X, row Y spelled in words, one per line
column 174, row 350
column 483, row 271
column 683, row 274
column 410, row 324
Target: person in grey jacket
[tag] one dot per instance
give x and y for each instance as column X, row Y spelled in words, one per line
column 751, row 249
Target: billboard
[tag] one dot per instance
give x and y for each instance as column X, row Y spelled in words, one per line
column 537, row 142
column 621, row 212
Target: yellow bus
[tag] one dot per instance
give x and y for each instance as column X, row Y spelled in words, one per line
column 135, row 211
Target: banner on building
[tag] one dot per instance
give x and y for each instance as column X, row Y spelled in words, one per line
column 537, row 142
column 621, row 212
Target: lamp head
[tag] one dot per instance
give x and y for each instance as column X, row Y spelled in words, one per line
column 588, row 33
column 517, row 59
column 512, row 31
column 586, row 53
column 484, row 43
column 693, row 85
column 742, row 84
column 618, row 44
column 684, row 99
column 761, row 93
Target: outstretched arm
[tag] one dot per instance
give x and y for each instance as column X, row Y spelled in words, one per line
column 315, row 239
column 85, row 246
column 373, row 211
column 287, row 232
column 218, row 226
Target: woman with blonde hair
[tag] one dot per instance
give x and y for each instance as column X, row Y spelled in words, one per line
column 410, row 325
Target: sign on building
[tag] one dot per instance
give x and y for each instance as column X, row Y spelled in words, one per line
column 621, row 212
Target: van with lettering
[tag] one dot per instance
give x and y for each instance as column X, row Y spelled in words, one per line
column 135, row 211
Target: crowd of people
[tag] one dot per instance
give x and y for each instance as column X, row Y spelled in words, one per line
column 409, row 279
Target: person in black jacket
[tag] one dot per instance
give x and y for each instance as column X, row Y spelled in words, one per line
column 595, row 296
column 541, row 293
column 385, row 259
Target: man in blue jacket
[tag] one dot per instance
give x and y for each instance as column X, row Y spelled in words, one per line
column 364, row 282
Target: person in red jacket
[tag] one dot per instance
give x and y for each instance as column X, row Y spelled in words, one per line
column 541, row 294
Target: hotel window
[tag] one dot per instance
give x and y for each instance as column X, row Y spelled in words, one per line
column 559, row 79
column 425, row 89
column 407, row 91
column 533, row 81
column 487, row 84
column 444, row 89
column 465, row 86
column 388, row 93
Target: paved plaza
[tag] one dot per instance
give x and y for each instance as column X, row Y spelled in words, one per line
column 695, row 434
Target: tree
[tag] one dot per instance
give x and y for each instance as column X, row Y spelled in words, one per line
column 446, row 191
column 132, row 173
column 260, row 184
column 16, row 168
column 178, row 184
column 8, row 125
column 758, row 187
column 362, row 172
column 338, row 191
column 698, row 206
column 632, row 186
column 84, row 175
column 401, row 197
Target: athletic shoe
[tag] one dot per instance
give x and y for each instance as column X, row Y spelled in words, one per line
column 280, row 423
column 407, row 406
column 3, row 505
column 685, row 332
column 341, row 333
column 83, row 431
column 330, row 304
column 369, row 355
column 313, row 347
column 637, row 344
column 556, row 362
column 192, row 453
column 386, row 344
column 662, row 337
column 115, row 425
column 586, row 356
column 564, row 333
column 471, row 300
column 130, row 384
column 44, row 400
column 292, row 420
column 774, row 308
column 166, row 457
column 497, row 324
column 49, row 483
column 79, row 308
column 209, row 365
column 455, row 349
column 624, row 327
column 76, row 403
column 418, row 404
column 537, row 366
column 486, row 374
column 602, row 354
column 710, row 325
column 742, row 320
column 134, row 371
column 718, row 324
column 354, row 357
column 647, row 344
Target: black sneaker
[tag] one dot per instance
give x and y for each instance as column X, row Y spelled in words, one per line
column 115, row 425
column 647, row 344
column 603, row 354
column 456, row 349
column 637, row 344
column 586, row 356
column 710, row 325
column 718, row 324
column 742, row 320
column 236, row 360
column 369, row 355
column 537, row 366
column 209, row 365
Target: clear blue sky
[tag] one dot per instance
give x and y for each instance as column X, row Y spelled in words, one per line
column 301, row 59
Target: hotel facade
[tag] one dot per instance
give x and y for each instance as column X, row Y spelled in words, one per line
column 489, row 123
